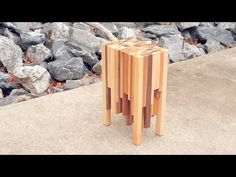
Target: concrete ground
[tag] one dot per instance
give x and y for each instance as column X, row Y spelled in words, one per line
column 201, row 117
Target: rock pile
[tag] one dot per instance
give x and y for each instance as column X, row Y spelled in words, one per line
column 43, row 58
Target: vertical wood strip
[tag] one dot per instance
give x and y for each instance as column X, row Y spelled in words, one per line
column 148, row 94
column 106, row 93
column 160, row 127
column 138, row 101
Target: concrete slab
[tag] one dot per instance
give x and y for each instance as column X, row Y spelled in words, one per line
column 201, row 117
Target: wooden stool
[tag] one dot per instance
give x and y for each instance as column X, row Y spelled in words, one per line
column 134, row 77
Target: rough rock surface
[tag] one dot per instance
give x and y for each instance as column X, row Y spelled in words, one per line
column 38, row 53
column 31, row 38
column 161, row 30
column 125, row 33
column 97, row 68
column 223, row 36
column 85, row 37
column 213, row 46
column 85, row 52
column 174, row 44
column 186, row 25
column 35, row 79
column 71, row 69
column 10, row 54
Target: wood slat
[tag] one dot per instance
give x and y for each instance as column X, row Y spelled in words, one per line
column 106, row 91
column 160, row 128
column 148, row 93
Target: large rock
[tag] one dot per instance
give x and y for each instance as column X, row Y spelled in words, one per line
column 109, row 26
column 174, row 44
column 191, row 51
column 85, row 37
column 186, row 25
column 213, row 46
column 207, row 24
column 12, row 36
column 71, row 69
column 35, row 79
column 57, row 44
column 10, row 54
column 63, row 53
column 125, row 33
column 82, row 26
column 97, row 68
column 31, row 38
column 161, row 30
column 86, row 53
column 27, row 26
column 124, row 24
column 226, row 25
column 223, row 36
column 59, row 30
column 38, row 53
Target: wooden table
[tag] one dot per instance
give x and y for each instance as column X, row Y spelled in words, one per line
column 134, row 77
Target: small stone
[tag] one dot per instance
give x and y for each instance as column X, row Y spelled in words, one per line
column 125, row 33
column 72, row 84
column 17, row 92
column 52, row 89
column 21, row 98
column 97, row 68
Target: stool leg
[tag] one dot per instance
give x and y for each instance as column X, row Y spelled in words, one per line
column 106, row 90
column 161, row 102
column 138, row 101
